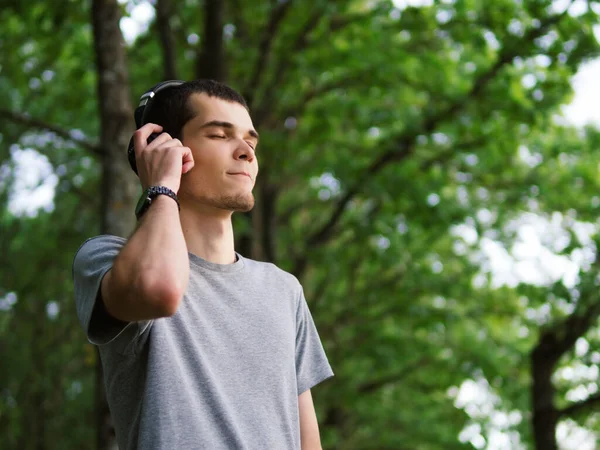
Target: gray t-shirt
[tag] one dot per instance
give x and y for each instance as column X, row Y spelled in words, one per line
column 224, row 372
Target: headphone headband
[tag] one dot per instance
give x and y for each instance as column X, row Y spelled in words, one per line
column 141, row 112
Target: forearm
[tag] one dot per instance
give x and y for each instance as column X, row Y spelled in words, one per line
column 309, row 428
column 153, row 266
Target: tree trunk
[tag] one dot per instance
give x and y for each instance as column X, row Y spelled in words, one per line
column 40, row 394
column 262, row 219
column 119, row 185
column 167, row 41
column 552, row 345
column 211, row 61
column 545, row 414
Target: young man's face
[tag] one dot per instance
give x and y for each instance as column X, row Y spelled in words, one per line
column 223, row 142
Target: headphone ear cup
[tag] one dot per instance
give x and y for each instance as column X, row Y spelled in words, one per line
column 131, row 156
column 138, row 115
column 131, row 151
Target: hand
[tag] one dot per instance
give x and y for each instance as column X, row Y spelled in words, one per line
column 163, row 161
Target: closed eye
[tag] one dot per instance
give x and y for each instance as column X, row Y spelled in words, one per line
column 218, row 136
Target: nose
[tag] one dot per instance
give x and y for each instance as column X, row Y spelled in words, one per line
column 244, row 152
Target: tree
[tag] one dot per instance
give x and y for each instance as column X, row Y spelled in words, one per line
column 386, row 135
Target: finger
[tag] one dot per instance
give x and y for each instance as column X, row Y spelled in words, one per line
column 187, row 161
column 162, row 140
column 170, row 142
column 140, row 137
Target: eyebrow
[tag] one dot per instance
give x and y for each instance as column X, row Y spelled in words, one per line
column 229, row 125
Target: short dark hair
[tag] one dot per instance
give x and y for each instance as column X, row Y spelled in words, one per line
column 171, row 108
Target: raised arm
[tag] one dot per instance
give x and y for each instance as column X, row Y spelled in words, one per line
column 151, row 272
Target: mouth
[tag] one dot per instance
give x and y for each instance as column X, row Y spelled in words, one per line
column 246, row 174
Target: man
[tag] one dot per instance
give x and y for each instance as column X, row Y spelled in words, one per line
column 201, row 347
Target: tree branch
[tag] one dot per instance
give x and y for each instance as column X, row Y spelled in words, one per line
column 552, row 344
column 555, row 342
column 579, row 407
column 282, row 66
column 235, row 10
column 392, row 378
column 348, row 80
column 445, row 156
column 319, row 292
column 403, row 150
column 404, row 145
column 24, row 119
column 339, row 22
column 167, row 42
column 264, row 49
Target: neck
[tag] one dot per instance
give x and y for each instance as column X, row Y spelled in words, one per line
column 208, row 233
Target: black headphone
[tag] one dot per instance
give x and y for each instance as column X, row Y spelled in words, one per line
column 141, row 113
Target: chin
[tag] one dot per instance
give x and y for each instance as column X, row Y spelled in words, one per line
column 236, row 203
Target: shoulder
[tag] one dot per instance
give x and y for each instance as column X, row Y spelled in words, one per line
column 98, row 247
column 272, row 273
column 101, row 241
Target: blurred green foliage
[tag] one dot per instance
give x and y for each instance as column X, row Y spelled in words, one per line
column 384, row 130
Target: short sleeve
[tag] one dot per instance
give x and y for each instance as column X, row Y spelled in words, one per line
column 312, row 366
column 92, row 261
